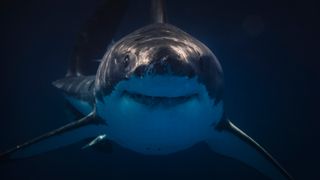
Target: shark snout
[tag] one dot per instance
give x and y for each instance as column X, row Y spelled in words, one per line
column 165, row 61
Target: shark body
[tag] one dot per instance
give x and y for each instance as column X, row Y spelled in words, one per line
column 157, row 91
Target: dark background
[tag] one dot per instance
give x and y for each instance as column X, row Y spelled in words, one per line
column 269, row 51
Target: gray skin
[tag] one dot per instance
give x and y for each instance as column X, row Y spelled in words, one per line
column 159, row 49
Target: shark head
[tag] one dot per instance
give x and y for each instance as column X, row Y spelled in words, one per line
column 159, row 90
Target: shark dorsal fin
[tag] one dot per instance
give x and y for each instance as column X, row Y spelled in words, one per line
column 158, row 12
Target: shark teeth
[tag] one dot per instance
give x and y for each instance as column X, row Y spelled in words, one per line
column 153, row 101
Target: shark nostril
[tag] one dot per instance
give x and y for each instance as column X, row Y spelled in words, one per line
column 202, row 64
column 140, row 71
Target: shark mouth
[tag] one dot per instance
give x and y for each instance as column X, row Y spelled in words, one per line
column 159, row 100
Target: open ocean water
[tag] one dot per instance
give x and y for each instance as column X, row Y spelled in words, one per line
column 269, row 51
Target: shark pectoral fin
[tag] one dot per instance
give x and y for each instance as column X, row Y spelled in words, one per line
column 230, row 141
column 73, row 132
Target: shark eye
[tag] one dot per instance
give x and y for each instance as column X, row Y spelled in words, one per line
column 125, row 61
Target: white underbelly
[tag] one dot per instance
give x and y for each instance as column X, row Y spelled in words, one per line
column 159, row 130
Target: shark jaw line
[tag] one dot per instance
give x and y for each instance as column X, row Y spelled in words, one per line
column 157, row 101
column 159, row 91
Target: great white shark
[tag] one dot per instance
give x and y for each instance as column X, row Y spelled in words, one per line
column 157, row 91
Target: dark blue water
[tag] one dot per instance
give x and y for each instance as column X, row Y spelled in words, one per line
column 269, row 53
